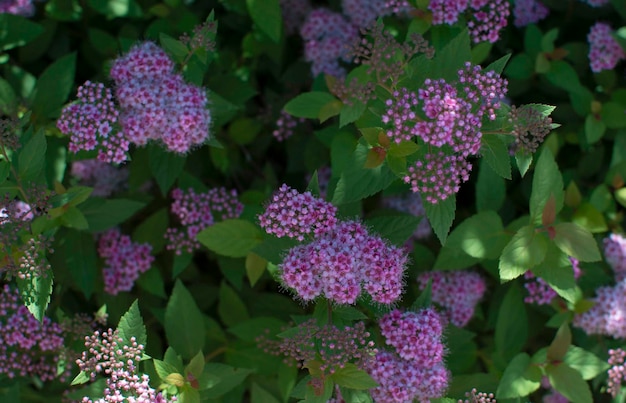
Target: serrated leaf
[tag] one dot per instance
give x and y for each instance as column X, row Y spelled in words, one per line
column 520, row 378
column 309, row 104
column 547, row 182
column 229, row 378
column 523, row 161
column 496, row 153
column 403, row 149
column 568, row 382
column 233, row 238
column 163, row 369
column 441, row 216
column 354, row 378
column 35, row 293
column 184, row 323
column 585, row 362
column 481, row 236
column 131, row 325
column 556, row 270
column 525, row 250
column 576, row 241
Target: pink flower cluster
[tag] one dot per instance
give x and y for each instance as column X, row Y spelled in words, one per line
column 104, row 178
column 412, row 204
column 457, row 292
column 286, row 125
column 439, row 176
column 486, row 17
column 156, row 102
column 28, row 348
column 529, row 12
column 297, row 215
column 339, row 263
column 608, row 315
column 617, row 372
column 16, row 211
column 196, row 211
column 327, row 38
column 540, row 292
column 420, row 376
column 604, row 51
column 92, row 123
column 25, row 8
column 107, row 353
column 124, row 260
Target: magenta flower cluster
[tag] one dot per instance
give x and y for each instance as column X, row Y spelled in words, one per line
column 28, row 348
column 415, row 371
column 604, row 51
column 617, row 372
column 286, row 125
column 342, row 262
column 439, row 176
column 196, row 211
column 92, row 123
column 540, row 292
column 608, row 315
column 363, row 12
column 297, row 215
column 411, row 203
column 24, row 8
column 124, row 260
column 486, row 18
column 107, row 353
column 527, row 12
column 457, row 292
column 102, row 177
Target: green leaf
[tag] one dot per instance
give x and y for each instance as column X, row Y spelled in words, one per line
column 8, row 99
column 523, row 162
column 273, row 249
column 547, row 181
column 452, row 57
column 594, row 129
column 196, row 365
column 174, row 47
column 36, row 293
column 403, row 149
column 576, row 241
column 104, row 214
column 613, row 115
column 498, row 65
column 351, row 112
column 354, row 378
column 250, row 329
column 260, row 395
column 17, row 31
column 588, row 217
column 568, row 382
column 441, row 216
column 357, row 182
column 165, row 167
column 152, row 282
column 520, row 378
column 53, row 87
column 228, row 376
column 490, row 189
column 496, row 153
column 163, row 369
column 151, row 230
column 131, row 325
column 556, row 270
column 308, row 105
column 512, row 325
column 480, row 236
column 561, row 343
column 80, row 379
column 267, row 16
column 234, row 237
column 397, row 229
column 255, row 267
column 231, row 308
column 32, row 158
column 585, row 362
column 525, row 250
column 184, row 324
column 116, row 8
column 81, row 260
column 453, row 259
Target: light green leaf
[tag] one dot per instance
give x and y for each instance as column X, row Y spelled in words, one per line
column 131, row 325
column 520, row 378
column 568, row 382
column 36, row 293
column 354, row 378
column 576, row 241
column 585, row 362
column 525, row 250
column 480, row 236
column 547, row 181
column 233, row 238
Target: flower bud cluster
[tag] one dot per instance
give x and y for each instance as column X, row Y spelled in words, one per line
column 604, row 51
column 475, row 396
column 617, row 372
column 540, row 292
column 297, row 215
column 342, row 262
column 124, row 260
column 107, row 353
column 457, row 292
column 528, row 12
column 28, row 348
column 333, row 346
column 415, row 371
column 196, row 211
column 411, row 203
column 102, row 177
column 530, row 128
column 486, row 18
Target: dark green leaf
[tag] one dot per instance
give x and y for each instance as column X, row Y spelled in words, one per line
column 547, row 182
column 496, row 153
column 231, row 308
column 512, row 325
column 80, row 253
column 165, row 167
column 53, row 87
column 561, row 343
column 260, row 395
column 490, row 189
column 104, row 214
column 267, row 16
column 354, row 378
column 233, row 238
column 229, row 378
column 32, row 158
column 308, row 105
column 441, row 216
column 17, row 31
column 397, row 229
column 184, row 324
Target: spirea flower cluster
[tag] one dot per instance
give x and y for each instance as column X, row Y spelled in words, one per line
column 412, row 204
column 333, row 346
column 124, row 260
column 286, row 125
column 102, row 177
column 25, row 8
column 528, row 12
column 457, row 292
column 604, row 51
column 486, row 18
column 608, row 315
column 28, row 348
column 617, row 372
column 343, row 262
column 108, row 354
column 196, row 211
column 415, row 369
column 297, row 215
column 540, row 292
